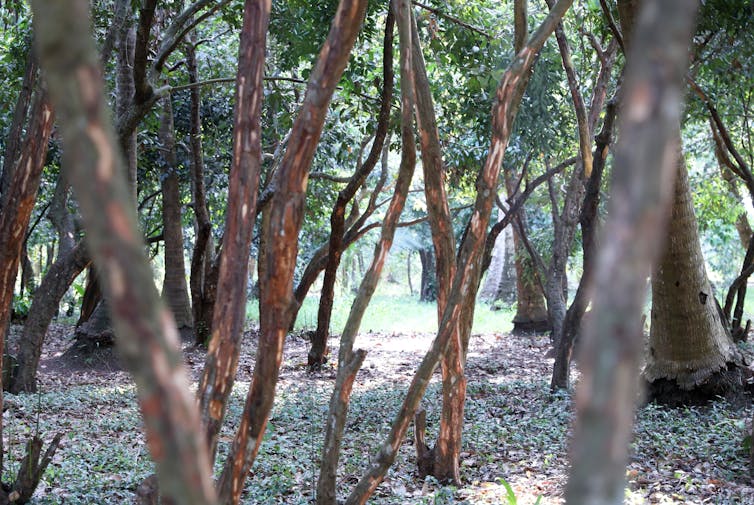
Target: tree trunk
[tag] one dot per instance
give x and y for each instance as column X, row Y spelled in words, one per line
column 459, row 308
column 318, row 351
column 428, row 289
column 688, row 342
column 54, row 285
column 174, row 288
column 493, row 282
column 285, row 213
column 147, row 337
column 20, row 111
column 349, row 361
column 228, row 320
column 531, row 310
column 15, row 215
column 589, row 222
column 641, row 188
column 202, row 285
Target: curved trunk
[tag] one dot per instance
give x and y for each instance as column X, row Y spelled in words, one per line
column 54, row 284
column 174, row 288
column 688, row 342
column 203, row 282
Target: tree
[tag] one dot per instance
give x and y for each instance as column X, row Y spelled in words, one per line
column 147, row 334
column 644, row 168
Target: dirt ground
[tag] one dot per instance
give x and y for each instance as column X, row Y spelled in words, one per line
column 516, row 432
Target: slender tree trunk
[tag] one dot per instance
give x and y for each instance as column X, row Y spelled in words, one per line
column 45, row 304
column 428, row 289
column 228, row 320
column 318, row 351
column 641, row 187
column 202, row 288
column 15, row 215
column 349, row 361
column 466, row 280
column 286, row 212
column 147, row 337
column 174, row 287
column 589, row 222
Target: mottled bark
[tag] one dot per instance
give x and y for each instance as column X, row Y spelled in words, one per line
column 447, row 449
column 349, row 360
column 642, row 181
column 147, row 337
column 466, row 280
column 282, row 224
column 318, row 351
column 228, row 320
column 174, row 287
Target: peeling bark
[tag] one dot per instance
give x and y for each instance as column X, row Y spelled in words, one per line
column 228, row 320
column 281, row 225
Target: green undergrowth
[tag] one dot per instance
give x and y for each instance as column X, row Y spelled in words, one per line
column 515, row 441
column 393, row 313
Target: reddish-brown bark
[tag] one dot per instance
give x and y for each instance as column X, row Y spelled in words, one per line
column 281, row 225
column 16, row 213
column 227, row 323
column 465, row 283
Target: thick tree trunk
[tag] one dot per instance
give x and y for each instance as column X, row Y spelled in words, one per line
column 641, row 188
column 688, row 342
column 228, row 320
column 466, row 280
column 147, row 337
column 174, row 287
column 531, row 309
column 284, row 216
column 318, row 351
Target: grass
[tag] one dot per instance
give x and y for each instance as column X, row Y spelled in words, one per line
column 392, row 311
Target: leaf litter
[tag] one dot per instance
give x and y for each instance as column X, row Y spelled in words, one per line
column 516, row 432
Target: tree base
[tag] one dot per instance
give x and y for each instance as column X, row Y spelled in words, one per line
column 529, row 327
column 732, row 384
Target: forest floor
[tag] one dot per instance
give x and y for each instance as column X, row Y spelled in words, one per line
column 515, row 439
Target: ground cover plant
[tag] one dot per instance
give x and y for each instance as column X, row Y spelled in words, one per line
column 516, row 431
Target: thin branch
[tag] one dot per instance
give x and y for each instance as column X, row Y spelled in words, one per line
column 453, row 19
